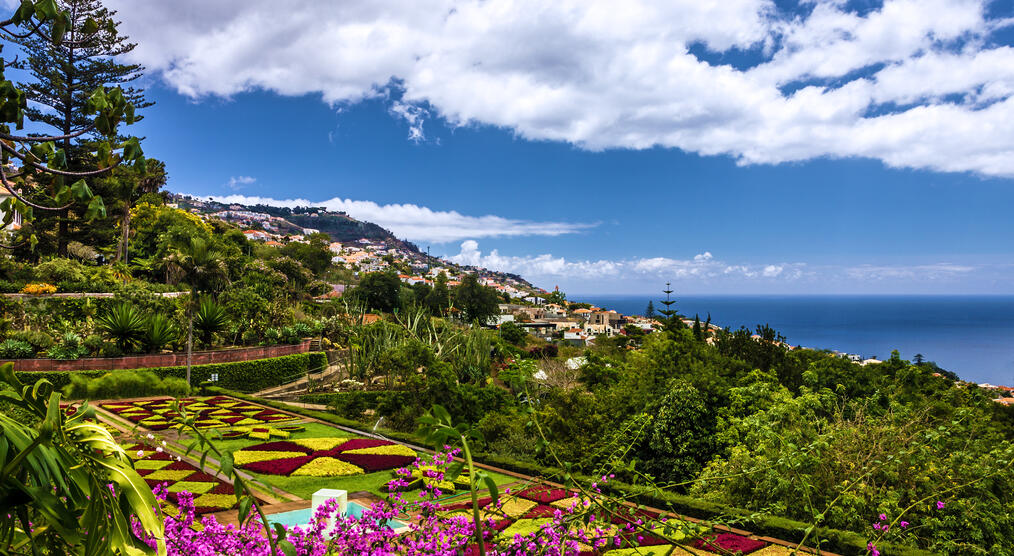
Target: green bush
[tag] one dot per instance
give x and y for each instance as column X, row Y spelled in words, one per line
column 70, row 347
column 39, row 340
column 16, row 349
column 124, row 384
column 61, row 270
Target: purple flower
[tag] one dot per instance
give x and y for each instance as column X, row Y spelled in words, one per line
column 940, row 505
column 904, row 524
column 883, row 517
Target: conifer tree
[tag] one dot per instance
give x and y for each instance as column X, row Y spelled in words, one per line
column 697, row 327
column 64, row 76
column 650, row 311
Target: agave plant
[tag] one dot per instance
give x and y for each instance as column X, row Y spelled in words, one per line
column 209, row 319
column 66, row 486
column 159, row 332
column 123, row 323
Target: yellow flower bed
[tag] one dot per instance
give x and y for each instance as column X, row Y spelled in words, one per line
column 328, row 467
column 244, row 457
column 391, row 450
column 320, row 444
column 38, row 289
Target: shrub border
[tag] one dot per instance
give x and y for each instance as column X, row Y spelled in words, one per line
column 249, row 376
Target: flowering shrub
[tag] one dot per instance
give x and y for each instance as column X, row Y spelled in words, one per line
column 38, row 289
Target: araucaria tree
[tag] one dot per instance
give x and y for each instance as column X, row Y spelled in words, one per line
column 64, row 76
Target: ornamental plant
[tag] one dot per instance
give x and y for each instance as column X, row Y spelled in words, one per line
column 38, row 289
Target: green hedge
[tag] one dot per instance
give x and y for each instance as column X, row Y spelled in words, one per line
column 247, row 376
column 835, row 540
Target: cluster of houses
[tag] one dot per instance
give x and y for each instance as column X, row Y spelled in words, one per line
column 551, row 321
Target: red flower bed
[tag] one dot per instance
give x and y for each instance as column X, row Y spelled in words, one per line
column 278, row 466
column 375, row 462
column 280, row 446
column 467, row 505
column 544, row 494
column 360, row 443
column 729, row 542
column 540, row 511
column 222, row 488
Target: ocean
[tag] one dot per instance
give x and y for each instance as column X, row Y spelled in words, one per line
column 972, row 336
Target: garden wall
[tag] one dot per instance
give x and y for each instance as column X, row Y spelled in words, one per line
column 245, row 376
column 157, row 360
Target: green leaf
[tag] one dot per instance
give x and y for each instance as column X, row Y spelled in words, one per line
column 24, row 12
column 90, row 26
column 225, row 464
column 59, row 29
column 244, row 508
column 131, row 149
column 81, row 190
column 280, row 531
column 494, row 491
column 96, row 209
column 46, row 9
column 287, row 548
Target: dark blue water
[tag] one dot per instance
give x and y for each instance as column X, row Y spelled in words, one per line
column 970, row 335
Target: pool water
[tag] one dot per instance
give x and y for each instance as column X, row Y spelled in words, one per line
column 301, row 518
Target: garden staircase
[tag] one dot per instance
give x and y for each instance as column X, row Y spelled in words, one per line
column 291, row 390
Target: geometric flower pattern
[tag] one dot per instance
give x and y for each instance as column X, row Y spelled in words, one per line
column 522, row 513
column 210, row 493
column 322, row 457
column 211, row 412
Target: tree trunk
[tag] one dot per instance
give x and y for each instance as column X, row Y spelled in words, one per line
column 190, row 340
column 121, row 253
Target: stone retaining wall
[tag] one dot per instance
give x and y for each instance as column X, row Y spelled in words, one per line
column 158, row 360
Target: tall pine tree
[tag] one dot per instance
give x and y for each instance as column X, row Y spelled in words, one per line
column 63, row 78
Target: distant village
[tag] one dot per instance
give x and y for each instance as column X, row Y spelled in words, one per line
column 528, row 308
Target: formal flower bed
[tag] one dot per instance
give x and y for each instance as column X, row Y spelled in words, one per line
column 212, row 412
column 323, row 457
column 158, row 467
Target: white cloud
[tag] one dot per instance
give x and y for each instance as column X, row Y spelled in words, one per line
column 541, row 267
column 416, row 223
column 913, row 83
column 236, row 183
column 704, row 272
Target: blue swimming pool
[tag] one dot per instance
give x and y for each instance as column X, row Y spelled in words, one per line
column 301, row 518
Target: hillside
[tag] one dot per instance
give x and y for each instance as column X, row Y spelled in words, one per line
column 342, row 228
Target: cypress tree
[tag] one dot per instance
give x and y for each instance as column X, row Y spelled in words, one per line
column 650, row 311
column 697, row 327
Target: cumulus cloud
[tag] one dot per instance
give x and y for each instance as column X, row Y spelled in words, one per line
column 706, row 272
column 702, row 266
column 417, row 223
column 236, row 183
column 913, row 83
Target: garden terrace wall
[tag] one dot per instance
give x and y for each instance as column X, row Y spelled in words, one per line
column 789, row 530
column 158, row 360
column 247, row 376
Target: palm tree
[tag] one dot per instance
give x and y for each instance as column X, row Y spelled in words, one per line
column 203, row 268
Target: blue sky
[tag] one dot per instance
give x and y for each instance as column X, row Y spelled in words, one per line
column 814, row 148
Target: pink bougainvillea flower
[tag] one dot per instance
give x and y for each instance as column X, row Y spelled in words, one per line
column 940, row 505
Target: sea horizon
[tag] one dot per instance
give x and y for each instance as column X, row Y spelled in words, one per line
column 969, row 334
